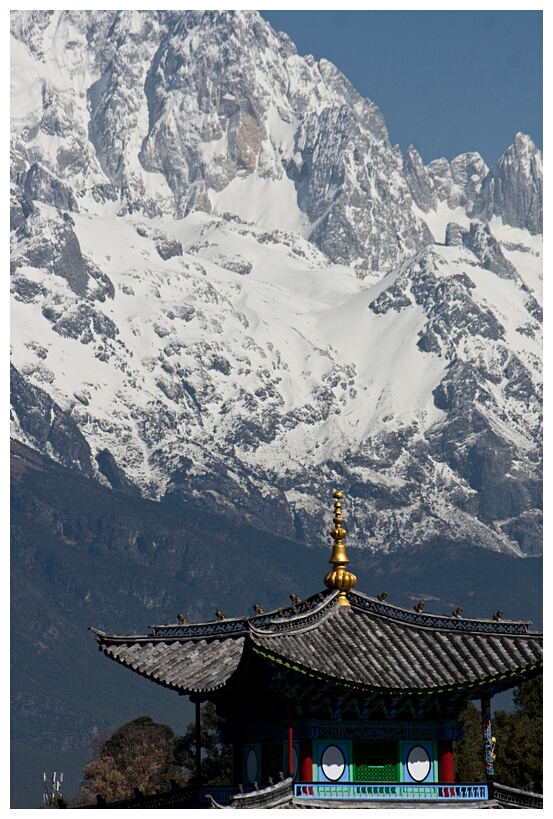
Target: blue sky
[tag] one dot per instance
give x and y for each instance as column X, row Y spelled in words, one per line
column 446, row 81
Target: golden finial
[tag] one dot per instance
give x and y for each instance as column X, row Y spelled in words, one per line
column 339, row 577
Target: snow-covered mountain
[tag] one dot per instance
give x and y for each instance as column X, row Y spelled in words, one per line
column 228, row 285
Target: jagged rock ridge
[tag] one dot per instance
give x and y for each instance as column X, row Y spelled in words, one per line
column 227, row 283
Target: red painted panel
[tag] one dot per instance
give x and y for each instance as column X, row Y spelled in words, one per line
column 446, row 771
column 306, row 760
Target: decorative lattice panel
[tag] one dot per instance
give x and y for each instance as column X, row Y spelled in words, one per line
column 272, row 761
column 375, row 761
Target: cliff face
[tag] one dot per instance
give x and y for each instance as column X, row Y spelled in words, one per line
column 513, row 190
column 226, row 281
column 165, row 113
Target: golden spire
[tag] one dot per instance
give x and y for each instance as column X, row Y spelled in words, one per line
column 339, row 577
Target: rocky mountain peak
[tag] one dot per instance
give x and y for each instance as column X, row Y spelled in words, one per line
column 221, row 268
column 467, row 172
column 209, row 111
column 230, row 295
column 513, row 190
column 420, row 184
column 458, row 182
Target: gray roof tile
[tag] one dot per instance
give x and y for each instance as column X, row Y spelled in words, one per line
column 190, row 666
column 370, row 644
column 378, row 652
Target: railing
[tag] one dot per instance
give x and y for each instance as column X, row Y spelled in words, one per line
column 511, row 797
column 391, row 792
column 271, row 796
column 219, row 793
column 348, row 791
column 177, row 797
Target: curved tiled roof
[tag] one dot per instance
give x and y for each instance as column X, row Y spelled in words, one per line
column 376, row 651
column 187, row 665
column 369, row 645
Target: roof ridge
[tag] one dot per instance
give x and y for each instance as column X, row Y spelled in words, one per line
column 442, row 621
column 301, row 622
column 241, row 625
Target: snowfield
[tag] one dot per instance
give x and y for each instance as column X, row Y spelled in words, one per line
column 251, row 294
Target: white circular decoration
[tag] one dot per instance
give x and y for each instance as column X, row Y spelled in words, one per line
column 418, row 763
column 333, row 763
column 251, row 765
column 294, row 762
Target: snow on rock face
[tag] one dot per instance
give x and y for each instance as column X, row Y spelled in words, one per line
column 418, row 179
column 172, row 109
column 513, row 189
column 223, row 284
column 488, row 250
column 457, row 182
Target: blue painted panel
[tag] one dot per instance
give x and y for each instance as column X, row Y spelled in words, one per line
column 251, row 763
column 332, row 760
column 419, row 762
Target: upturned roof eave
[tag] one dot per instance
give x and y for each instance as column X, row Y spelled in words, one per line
column 309, row 613
column 504, row 680
column 158, row 678
column 228, row 627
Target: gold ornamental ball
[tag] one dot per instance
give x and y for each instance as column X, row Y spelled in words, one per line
column 340, row 579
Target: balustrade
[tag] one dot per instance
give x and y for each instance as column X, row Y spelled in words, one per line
column 392, row 792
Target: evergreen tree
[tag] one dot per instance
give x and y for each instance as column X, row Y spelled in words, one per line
column 467, row 752
column 216, row 755
column 144, row 756
column 519, row 742
column 519, row 748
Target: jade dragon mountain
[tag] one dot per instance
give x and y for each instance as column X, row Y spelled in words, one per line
column 231, row 293
column 228, row 283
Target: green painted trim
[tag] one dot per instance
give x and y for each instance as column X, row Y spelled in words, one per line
column 467, row 687
column 392, row 763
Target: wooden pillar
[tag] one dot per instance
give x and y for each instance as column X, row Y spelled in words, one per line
column 306, row 760
column 290, row 741
column 488, row 741
column 446, row 771
column 198, row 745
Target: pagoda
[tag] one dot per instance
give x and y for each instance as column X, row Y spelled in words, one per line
column 341, row 698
